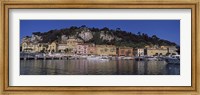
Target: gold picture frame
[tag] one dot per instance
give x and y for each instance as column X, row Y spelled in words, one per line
column 49, row 4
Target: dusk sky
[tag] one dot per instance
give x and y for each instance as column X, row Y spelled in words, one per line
column 164, row 29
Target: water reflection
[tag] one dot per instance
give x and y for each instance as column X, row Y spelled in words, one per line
column 92, row 67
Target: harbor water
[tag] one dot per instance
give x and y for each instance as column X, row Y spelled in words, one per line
column 97, row 67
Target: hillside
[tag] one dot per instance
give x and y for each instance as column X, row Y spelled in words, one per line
column 98, row 36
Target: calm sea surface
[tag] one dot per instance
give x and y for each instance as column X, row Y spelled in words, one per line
column 92, row 67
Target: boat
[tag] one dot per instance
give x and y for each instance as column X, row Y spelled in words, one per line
column 172, row 60
column 101, row 58
column 104, row 58
column 93, row 58
column 176, row 56
column 150, row 58
column 160, row 58
column 139, row 58
column 120, row 57
column 82, row 57
column 128, row 58
column 113, row 58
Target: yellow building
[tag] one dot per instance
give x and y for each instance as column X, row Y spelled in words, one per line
column 171, row 49
column 34, row 47
column 106, row 50
column 156, row 51
column 29, row 47
column 92, row 49
column 43, row 47
column 52, row 47
column 72, row 44
column 162, row 50
column 68, row 44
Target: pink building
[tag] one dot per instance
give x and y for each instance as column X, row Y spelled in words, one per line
column 82, row 49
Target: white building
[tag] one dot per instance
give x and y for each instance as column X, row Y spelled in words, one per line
column 140, row 52
column 62, row 47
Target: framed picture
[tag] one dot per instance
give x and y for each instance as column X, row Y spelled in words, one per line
column 99, row 47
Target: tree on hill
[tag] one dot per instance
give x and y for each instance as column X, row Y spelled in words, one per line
column 120, row 37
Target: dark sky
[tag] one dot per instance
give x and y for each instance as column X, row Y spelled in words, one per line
column 164, row 29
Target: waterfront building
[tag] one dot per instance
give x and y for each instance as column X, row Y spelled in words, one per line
column 82, row 49
column 162, row 50
column 72, row 44
column 41, row 47
column 172, row 50
column 52, row 47
column 125, row 51
column 34, row 47
column 155, row 51
column 139, row 51
column 62, row 47
column 106, row 50
column 29, row 47
column 92, row 49
column 68, row 44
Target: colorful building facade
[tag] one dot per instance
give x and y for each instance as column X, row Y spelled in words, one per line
column 92, row 49
column 34, row 47
column 162, row 50
column 52, row 47
column 156, row 52
column 125, row 51
column 72, row 44
column 106, row 50
column 82, row 49
column 62, row 47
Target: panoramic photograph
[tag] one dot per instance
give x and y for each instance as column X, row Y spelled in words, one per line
column 99, row 47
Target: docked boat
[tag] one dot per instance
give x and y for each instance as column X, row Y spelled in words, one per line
column 93, row 57
column 150, row 58
column 104, row 58
column 176, row 56
column 139, row 58
column 128, row 58
column 120, row 57
column 172, row 60
column 82, row 57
